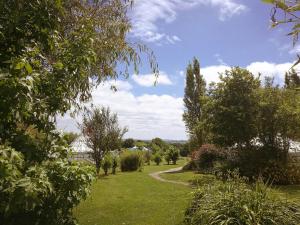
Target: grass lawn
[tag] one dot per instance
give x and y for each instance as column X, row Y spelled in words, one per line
column 134, row 198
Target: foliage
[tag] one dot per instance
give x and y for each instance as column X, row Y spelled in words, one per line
column 106, row 163
column 280, row 173
column 70, row 137
column 158, row 144
column 131, row 161
column 194, row 96
column 102, row 132
column 292, row 80
column 184, row 150
column 206, row 157
column 128, row 143
column 52, row 54
column 235, row 202
column 147, row 157
column 157, row 158
column 40, row 194
column 115, row 163
column 172, row 154
column 233, row 108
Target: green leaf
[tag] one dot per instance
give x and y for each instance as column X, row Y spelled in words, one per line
column 28, row 68
column 19, row 65
column 58, row 65
column 268, row 1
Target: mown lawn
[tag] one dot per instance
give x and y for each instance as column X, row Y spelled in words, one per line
column 134, row 198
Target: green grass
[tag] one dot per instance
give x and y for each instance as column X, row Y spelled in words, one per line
column 134, row 198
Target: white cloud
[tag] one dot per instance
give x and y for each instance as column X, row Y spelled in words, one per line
column 295, row 50
column 148, row 80
column 211, row 73
column 147, row 116
column 146, row 14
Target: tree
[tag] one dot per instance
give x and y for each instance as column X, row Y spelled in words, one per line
column 52, row 54
column 292, row 80
column 107, row 163
column 157, row 158
column 70, row 137
column 102, row 132
column 160, row 143
column 128, row 143
column 194, row 95
column 115, row 163
column 234, row 108
column 172, row 154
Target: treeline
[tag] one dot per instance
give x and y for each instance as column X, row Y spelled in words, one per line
column 253, row 121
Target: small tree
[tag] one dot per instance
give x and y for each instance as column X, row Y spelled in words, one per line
column 147, row 157
column 172, row 154
column 102, row 132
column 128, row 143
column 157, row 158
column 115, row 164
column 167, row 157
column 107, row 163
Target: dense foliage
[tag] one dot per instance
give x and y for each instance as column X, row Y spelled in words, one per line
column 42, row 193
column 128, row 143
column 52, row 53
column 236, row 203
column 157, row 158
column 106, row 163
column 131, row 161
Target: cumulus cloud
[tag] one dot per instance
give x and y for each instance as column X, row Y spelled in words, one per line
column 146, row 14
column 148, row 80
column 146, row 116
column 211, row 73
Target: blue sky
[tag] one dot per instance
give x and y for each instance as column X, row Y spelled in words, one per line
column 220, row 33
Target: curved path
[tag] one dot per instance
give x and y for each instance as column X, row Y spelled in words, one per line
column 156, row 176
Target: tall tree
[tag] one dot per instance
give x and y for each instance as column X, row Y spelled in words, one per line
column 102, row 132
column 234, row 108
column 194, row 95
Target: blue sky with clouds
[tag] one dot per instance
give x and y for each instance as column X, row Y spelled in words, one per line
column 221, row 33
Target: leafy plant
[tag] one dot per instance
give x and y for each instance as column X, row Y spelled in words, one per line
column 131, row 161
column 157, row 158
column 106, row 163
column 235, row 202
column 115, row 163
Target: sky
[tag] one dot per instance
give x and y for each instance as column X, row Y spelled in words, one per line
column 220, row 33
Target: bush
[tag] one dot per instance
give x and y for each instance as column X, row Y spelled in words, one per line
column 115, row 163
column 235, row 202
column 282, row 174
column 157, row 158
column 172, row 154
column 131, row 161
column 147, row 157
column 206, row 157
column 107, row 163
column 42, row 193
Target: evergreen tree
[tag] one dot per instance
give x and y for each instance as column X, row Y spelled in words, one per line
column 194, row 100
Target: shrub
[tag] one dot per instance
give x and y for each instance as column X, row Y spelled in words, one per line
column 235, row 202
column 157, row 158
column 147, row 157
column 172, row 154
column 206, row 157
column 107, row 163
column 42, row 193
column 115, row 163
column 131, row 161
column 282, row 174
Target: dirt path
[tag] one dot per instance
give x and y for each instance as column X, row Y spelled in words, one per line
column 156, row 176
